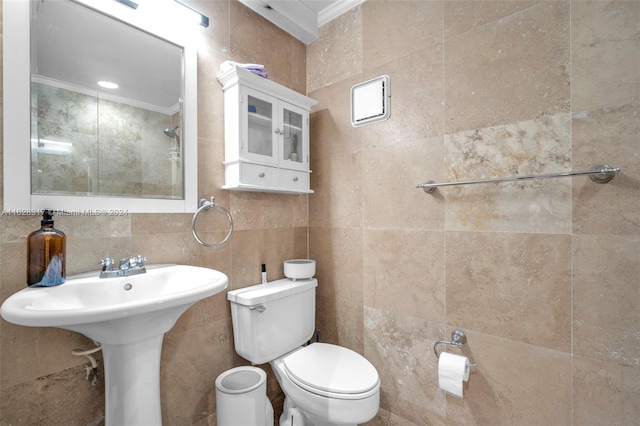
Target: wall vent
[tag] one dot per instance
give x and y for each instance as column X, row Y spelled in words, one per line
column 370, row 101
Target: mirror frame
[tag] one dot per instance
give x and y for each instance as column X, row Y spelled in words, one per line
column 16, row 37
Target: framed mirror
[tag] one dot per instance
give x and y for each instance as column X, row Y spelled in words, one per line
column 101, row 115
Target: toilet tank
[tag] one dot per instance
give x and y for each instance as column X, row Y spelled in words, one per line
column 272, row 319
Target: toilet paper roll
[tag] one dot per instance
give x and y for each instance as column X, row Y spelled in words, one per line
column 452, row 371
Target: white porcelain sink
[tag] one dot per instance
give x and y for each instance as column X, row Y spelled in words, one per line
column 104, row 308
column 128, row 316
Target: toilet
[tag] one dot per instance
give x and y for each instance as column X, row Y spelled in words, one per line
column 323, row 384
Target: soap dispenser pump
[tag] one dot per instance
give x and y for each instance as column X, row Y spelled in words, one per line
column 46, row 254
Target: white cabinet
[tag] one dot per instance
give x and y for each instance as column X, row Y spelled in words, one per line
column 266, row 134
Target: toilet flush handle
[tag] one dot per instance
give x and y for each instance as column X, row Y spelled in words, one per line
column 259, row 308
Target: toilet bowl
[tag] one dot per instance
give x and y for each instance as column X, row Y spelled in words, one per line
column 328, row 384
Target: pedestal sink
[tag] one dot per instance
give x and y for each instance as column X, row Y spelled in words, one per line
column 128, row 316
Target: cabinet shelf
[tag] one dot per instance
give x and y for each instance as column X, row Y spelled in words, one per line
column 291, row 126
column 259, row 118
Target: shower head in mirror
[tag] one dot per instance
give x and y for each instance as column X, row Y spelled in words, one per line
column 171, row 132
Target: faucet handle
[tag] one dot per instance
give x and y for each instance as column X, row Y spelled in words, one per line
column 107, row 264
column 138, row 261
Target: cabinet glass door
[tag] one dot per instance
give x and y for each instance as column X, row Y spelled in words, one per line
column 260, row 127
column 294, row 145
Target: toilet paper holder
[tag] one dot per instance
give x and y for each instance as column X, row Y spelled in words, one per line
column 458, row 339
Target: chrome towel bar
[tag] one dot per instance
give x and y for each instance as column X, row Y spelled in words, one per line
column 598, row 174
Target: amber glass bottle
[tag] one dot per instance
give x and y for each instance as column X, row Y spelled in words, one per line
column 46, row 254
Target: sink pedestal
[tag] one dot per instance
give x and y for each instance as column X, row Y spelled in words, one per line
column 128, row 316
column 132, row 383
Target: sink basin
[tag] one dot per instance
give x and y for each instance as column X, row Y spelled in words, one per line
column 128, row 316
column 87, row 304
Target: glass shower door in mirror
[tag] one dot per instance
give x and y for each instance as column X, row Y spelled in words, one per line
column 260, row 130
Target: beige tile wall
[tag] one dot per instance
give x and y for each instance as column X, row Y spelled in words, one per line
column 41, row 383
column 542, row 275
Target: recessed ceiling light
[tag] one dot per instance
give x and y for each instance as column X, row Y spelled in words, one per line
column 107, row 84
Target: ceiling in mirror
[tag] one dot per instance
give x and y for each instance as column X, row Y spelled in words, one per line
column 77, row 45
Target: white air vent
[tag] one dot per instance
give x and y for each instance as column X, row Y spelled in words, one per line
column 370, row 101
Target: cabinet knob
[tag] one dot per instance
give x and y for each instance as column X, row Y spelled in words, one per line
column 261, row 175
column 295, row 179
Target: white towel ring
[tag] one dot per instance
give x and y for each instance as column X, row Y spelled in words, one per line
column 204, row 206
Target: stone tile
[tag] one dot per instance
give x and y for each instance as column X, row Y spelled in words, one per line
column 187, row 382
column 343, row 35
column 17, row 228
column 84, row 255
column 401, row 349
column 404, row 272
column 337, row 201
column 14, row 268
column 93, row 226
column 605, row 393
column 300, row 210
column 511, row 70
column 150, row 223
column 386, row 418
column 417, row 101
column 606, row 301
column 300, row 243
column 251, row 248
column 19, row 344
column 516, row 286
column 247, row 209
column 513, row 384
column 339, row 297
column 607, row 136
column 64, row 398
column 251, row 36
column 604, row 33
column 463, row 16
column 330, row 121
column 393, row 29
column 537, row 146
column 391, row 199
column 183, row 248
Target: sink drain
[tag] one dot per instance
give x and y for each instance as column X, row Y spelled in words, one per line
column 128, row 286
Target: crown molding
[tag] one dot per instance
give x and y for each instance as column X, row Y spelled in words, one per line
column 336, row 9
column 297, row 18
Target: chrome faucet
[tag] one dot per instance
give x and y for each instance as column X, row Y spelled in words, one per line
column 128, row 266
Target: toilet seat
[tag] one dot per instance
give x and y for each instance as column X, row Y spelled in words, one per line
column 332, row 371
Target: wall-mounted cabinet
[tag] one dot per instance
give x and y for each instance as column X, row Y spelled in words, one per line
column 266, row 134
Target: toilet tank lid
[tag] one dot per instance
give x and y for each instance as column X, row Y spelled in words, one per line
column 273, row 290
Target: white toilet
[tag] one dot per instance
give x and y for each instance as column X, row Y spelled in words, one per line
column 323, row 384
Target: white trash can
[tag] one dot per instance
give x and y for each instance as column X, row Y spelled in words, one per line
column 241, row 398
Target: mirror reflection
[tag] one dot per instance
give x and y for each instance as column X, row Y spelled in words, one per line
column 106, row 106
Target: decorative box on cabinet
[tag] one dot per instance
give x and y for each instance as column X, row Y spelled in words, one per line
column 266, row 134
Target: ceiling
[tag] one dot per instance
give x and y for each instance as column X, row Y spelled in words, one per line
column 301, row 18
